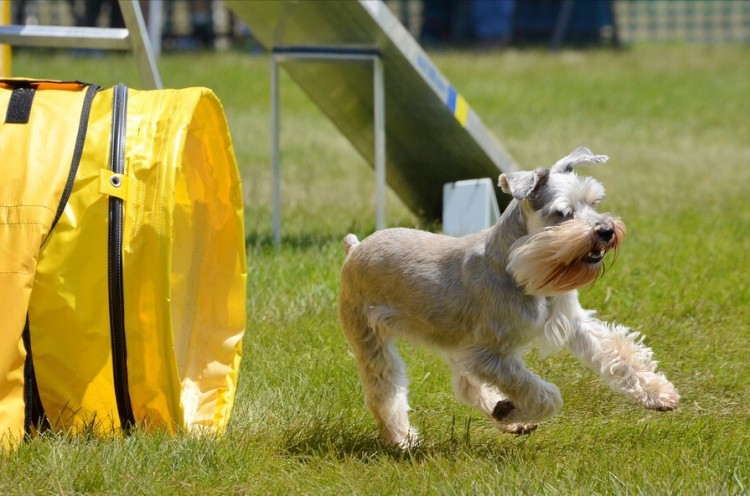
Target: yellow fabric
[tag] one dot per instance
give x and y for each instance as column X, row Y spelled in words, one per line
column 184, row 271
column 33, row 173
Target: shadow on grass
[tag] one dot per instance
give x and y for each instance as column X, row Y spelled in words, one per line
column 337, row 440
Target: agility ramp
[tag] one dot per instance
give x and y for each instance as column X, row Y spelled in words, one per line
column 432, row 136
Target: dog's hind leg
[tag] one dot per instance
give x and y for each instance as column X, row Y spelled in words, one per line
column 383, row 377
column 621, row 359
column 484, row 397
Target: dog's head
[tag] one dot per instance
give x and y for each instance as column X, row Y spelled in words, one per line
column 566, row 237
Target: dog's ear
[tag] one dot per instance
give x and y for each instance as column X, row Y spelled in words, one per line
column 580, row 155
column 522, row 184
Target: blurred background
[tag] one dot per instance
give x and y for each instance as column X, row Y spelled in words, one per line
column 179, row 25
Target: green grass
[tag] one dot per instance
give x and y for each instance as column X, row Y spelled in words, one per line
column 674, row 121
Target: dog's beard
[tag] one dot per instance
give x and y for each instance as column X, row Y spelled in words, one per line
column 560, row 258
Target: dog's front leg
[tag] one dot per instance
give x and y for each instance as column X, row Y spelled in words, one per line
column 529, row 398
column 483, row 396
column 621, row 359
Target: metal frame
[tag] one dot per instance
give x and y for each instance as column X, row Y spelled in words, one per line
column 327, row 54
column 132, row 38
column 434, row 136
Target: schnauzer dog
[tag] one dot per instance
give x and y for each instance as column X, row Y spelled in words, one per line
column 482, row 299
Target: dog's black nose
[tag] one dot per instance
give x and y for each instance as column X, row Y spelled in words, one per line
column 605, row 233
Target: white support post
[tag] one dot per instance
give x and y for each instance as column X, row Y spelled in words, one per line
column 379, row 131
column 275, row 154
column 154, row 25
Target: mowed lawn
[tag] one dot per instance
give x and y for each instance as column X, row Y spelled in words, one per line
column 675, row 121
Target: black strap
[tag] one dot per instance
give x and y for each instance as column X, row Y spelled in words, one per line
column 83, row 127
column 19, row 106
column 34, row 416
column 32, row 83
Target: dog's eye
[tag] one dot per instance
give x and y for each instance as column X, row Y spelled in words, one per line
column 562, row 215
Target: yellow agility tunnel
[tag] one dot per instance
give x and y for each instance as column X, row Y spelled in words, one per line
column 122, row 260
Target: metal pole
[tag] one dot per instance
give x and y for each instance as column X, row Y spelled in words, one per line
column 155, row 19
column 561, row 25
column 379, row 130
column 140, row 44
column 275, row 154
column 284, row 54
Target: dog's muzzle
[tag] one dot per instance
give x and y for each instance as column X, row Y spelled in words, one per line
column 564, row 257
column 605, row 238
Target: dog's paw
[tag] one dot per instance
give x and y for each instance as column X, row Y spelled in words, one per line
column 660, row 394
column 502, row 410
column 663, row 397
column 541, row 407
column 517, row 429
column 404, row 442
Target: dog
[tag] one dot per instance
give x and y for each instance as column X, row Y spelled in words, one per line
column 481, row 300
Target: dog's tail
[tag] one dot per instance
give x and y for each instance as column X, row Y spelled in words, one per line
column 350, row 242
